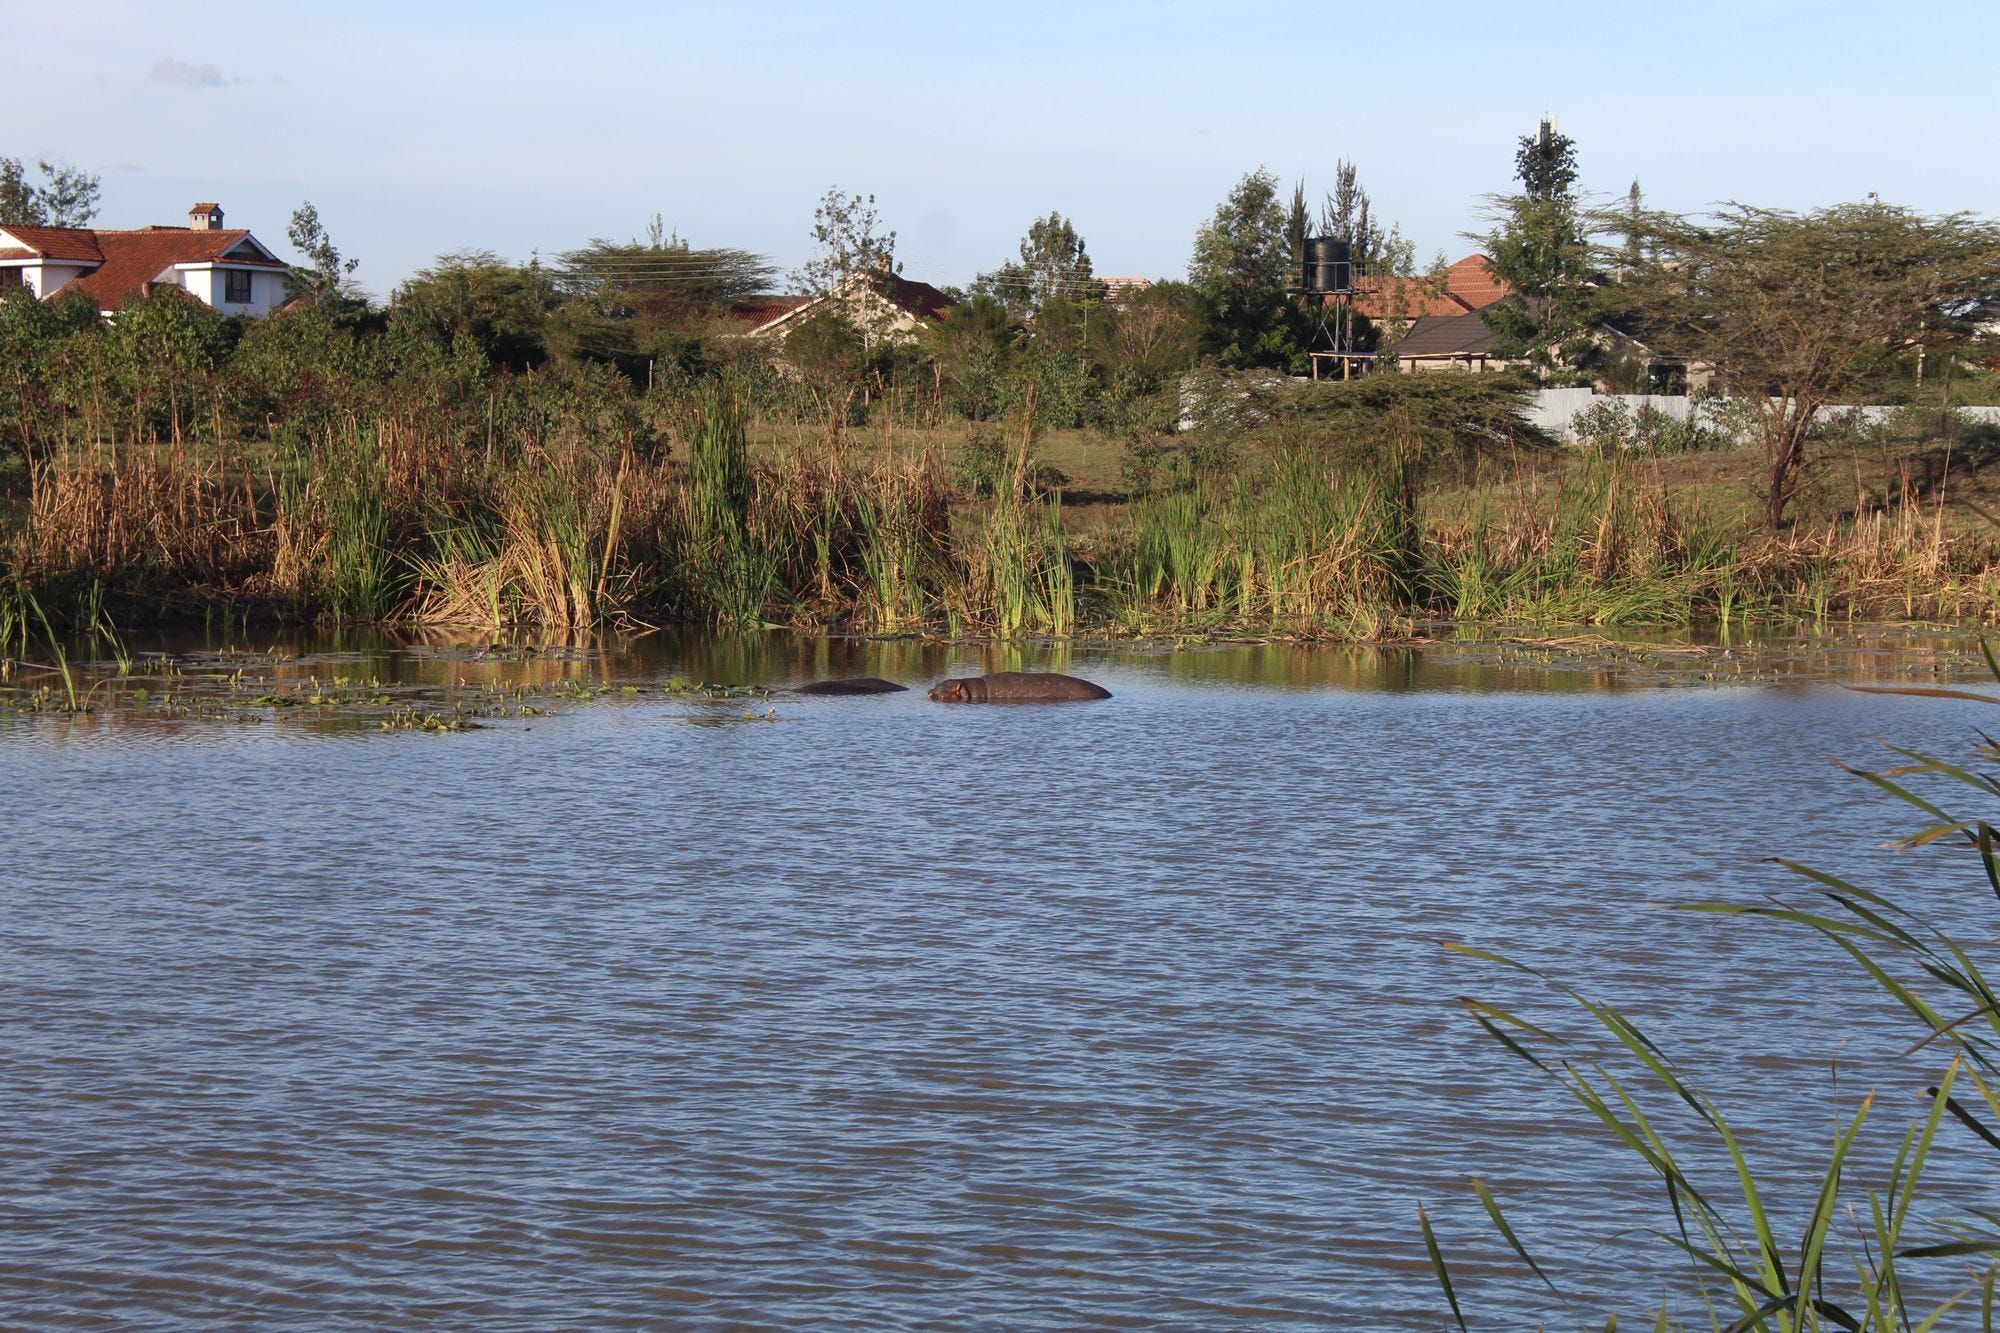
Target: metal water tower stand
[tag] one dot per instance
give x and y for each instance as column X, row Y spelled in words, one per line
column 1329, row 275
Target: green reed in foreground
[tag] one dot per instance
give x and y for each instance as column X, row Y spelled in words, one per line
column 1851, row 1259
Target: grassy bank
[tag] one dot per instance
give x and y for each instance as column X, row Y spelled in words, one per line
column 579, row 506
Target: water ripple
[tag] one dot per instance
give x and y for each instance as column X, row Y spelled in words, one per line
column 887, row 1016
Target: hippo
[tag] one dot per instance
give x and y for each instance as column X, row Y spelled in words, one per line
column 1017, row 687
column 853, row 685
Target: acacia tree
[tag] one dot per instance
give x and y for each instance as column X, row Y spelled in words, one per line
column 1788, row 307
column 662, row 283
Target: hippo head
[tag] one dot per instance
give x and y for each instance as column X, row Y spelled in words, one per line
column 949, row 692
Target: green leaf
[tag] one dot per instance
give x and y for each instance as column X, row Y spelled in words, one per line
column 1500, row 1223
column 1437, row 1267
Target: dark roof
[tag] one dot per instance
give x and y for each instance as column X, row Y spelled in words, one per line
column 1447, row 336
column 919, row 298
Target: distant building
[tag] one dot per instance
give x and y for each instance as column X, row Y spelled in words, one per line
column 1449, row 342
column 879, row 305
column 1469, row 285
column 748, row 316
column 223, row 268
column 1117, row 291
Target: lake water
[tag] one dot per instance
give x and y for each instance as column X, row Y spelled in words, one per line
column 876, row 1013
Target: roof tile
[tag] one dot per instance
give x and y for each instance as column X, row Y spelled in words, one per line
column 58, row 242
column 134, row 258
column 1470, row 284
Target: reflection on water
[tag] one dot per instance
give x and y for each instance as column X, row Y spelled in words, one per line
column 369, row 676
column 887, row 1014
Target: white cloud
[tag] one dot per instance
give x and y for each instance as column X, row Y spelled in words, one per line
column 169, row 70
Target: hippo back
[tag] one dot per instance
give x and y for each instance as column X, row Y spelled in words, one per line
column 853, row 685
column 1019, row 687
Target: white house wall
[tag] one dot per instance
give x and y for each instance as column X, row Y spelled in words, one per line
column 46, row 279
column 206, row 283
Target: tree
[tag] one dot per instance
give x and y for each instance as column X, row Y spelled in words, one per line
column 1298, row 221
column 1344, row 214
column 1053, row 263
column 972, row 347
column 1414, row 427
column 166, row 349
column 1241, row 267
column 324, row 273
column 663, row 283
column 1545, row 163
column 1538, row 247
column 845, row 230
column 67, row 196
column 475, row 294
column 1635, row 210
column 18, row 205
column 1789, row 307
column 44, row 347
column 1142, row 347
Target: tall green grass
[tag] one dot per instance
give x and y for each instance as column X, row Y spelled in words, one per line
column 1018, row 577
column 738, row 571
column 1314, row 549
column 343, row 506
column 905, row 538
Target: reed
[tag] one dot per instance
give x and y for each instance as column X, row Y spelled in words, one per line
column 1018, row 578
column 1856, row 1258
column 1314, row 550
column 905, row 546
column 561, row 501
column 740, row 572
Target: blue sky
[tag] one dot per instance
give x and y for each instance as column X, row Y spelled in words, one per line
column 419, row 128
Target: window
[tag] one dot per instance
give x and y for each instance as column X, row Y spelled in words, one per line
column 236, row 286
column 11, row 277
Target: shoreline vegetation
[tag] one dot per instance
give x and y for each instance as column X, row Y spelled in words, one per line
column 569, row 499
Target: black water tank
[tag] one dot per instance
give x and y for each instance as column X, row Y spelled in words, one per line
column 1329, row 265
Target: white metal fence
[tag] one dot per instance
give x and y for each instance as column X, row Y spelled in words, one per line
column 1556, row 410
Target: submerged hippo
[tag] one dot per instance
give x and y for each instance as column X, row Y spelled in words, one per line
column 1017, row 687
column 853, row 685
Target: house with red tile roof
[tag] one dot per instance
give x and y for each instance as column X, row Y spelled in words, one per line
column 753, row 313
column 1469, row 285
column 879, row 305
column 225, row 268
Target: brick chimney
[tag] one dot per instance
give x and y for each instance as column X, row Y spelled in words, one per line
column 205, row 217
